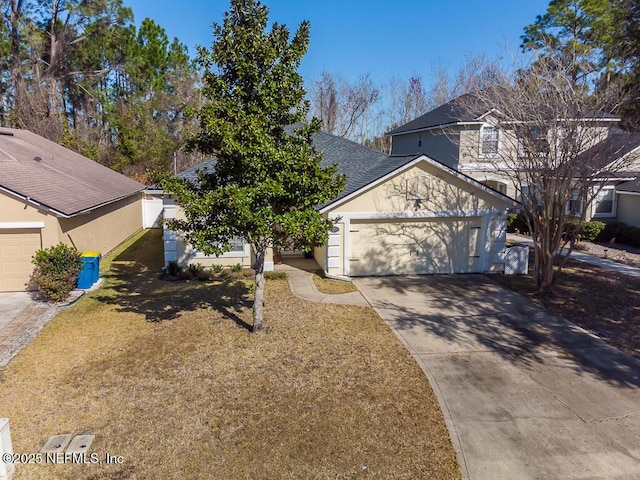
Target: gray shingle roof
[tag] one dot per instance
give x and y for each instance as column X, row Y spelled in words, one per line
column 618, row 144
column 56, row 177
column 361, row 165
column 632, row 186
column 457, row 110
column 465, row 108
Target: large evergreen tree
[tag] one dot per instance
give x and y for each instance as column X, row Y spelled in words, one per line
column 267, row 180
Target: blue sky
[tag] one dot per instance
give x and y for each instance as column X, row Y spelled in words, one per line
column 382, row 38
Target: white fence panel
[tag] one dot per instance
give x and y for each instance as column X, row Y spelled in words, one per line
column 152, row 213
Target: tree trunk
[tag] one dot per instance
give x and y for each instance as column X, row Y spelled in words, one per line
column 258, row 299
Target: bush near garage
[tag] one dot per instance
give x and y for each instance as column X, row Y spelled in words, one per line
column 56, row 272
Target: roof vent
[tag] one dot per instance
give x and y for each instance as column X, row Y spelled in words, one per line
column 37, row 159
column 8, row 134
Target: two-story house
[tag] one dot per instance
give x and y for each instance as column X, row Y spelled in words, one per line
column 476, row 141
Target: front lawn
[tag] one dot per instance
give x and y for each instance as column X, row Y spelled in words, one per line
column 603, row 302
column 167, row 376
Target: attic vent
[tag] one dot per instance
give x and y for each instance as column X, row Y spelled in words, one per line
column 8, row 134
column 37, row 159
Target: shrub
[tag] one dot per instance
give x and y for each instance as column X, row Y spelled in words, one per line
column 216, row 268
column 591, row 230
column 587, row 231
column 516, row 223
column 237, row 268
column 56, row 272
column 621, row 233
column 173, row 268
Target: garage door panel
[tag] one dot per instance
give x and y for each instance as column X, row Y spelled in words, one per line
column 409, row 247
column 17, row 247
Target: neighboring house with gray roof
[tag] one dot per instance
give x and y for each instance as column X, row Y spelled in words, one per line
column 399, row 214
column 472, row 140
column 50, row 194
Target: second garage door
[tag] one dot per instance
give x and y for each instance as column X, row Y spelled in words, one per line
column 16, row 250
column 439, row 245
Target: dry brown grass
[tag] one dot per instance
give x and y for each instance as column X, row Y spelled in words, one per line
column 603, row 302
column 330, row 285
column 167, row 375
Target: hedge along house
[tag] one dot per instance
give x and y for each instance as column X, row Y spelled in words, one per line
column 397, row 215
column 48, row 195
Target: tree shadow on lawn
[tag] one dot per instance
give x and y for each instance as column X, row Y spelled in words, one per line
column 133, row 284
column 473, row 313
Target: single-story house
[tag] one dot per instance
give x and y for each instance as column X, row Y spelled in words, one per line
column 407, row 214
column 48, row 195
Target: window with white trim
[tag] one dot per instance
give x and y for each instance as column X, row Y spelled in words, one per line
column 574, row 202
column 604, row 203
column 489, row 140
column 418, row 187
column 239, row 248
column 496, row 185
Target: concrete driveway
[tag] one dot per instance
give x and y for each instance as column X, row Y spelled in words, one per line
column 526, row 395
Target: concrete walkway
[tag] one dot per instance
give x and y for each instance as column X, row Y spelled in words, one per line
column 586, row 258
column 525, row 394
column 299, row 272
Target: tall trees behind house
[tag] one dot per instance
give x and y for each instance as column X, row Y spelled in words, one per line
column 82, row 74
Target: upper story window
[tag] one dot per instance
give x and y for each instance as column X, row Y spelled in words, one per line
column 496, row 185
column 489, row 138
column 533, row 140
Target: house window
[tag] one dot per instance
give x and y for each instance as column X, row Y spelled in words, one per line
column 238, row 249
column 237, row 244
column 496, row 185
column 489, row 140
column 574, row 203
column 604, row 202
column 418, row 187
column 419, row 139
column 533, row 140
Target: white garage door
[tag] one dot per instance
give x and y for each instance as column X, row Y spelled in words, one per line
column 16, row 250
column 442, row 245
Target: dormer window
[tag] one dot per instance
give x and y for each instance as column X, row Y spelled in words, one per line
column 489, row 137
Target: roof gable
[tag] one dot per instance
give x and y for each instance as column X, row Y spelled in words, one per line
column 363, row 167
column 466, row 109
column 400, row 164
column 57, row 178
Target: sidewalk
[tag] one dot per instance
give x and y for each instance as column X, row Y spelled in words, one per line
column 586, row 258
column 299, row 272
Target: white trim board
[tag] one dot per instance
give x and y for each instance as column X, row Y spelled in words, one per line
column 408, row 215
column 18, row 225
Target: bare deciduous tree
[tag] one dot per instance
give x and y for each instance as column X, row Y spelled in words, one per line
column 347, row 109
column 555, row 140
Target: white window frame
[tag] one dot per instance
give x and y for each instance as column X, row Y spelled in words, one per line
column 496, row 131
column 610, row 214
column 499, row 185
column 244, row 253
column 418, row 187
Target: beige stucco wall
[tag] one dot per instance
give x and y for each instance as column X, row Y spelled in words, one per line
column 102, row 229
column 186, row 254
column 16, row 210
column 628, row 211
column 450, row 202
column 105, row 228
column 447, row 193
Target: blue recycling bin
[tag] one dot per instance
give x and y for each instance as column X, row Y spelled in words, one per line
column 90, row 273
